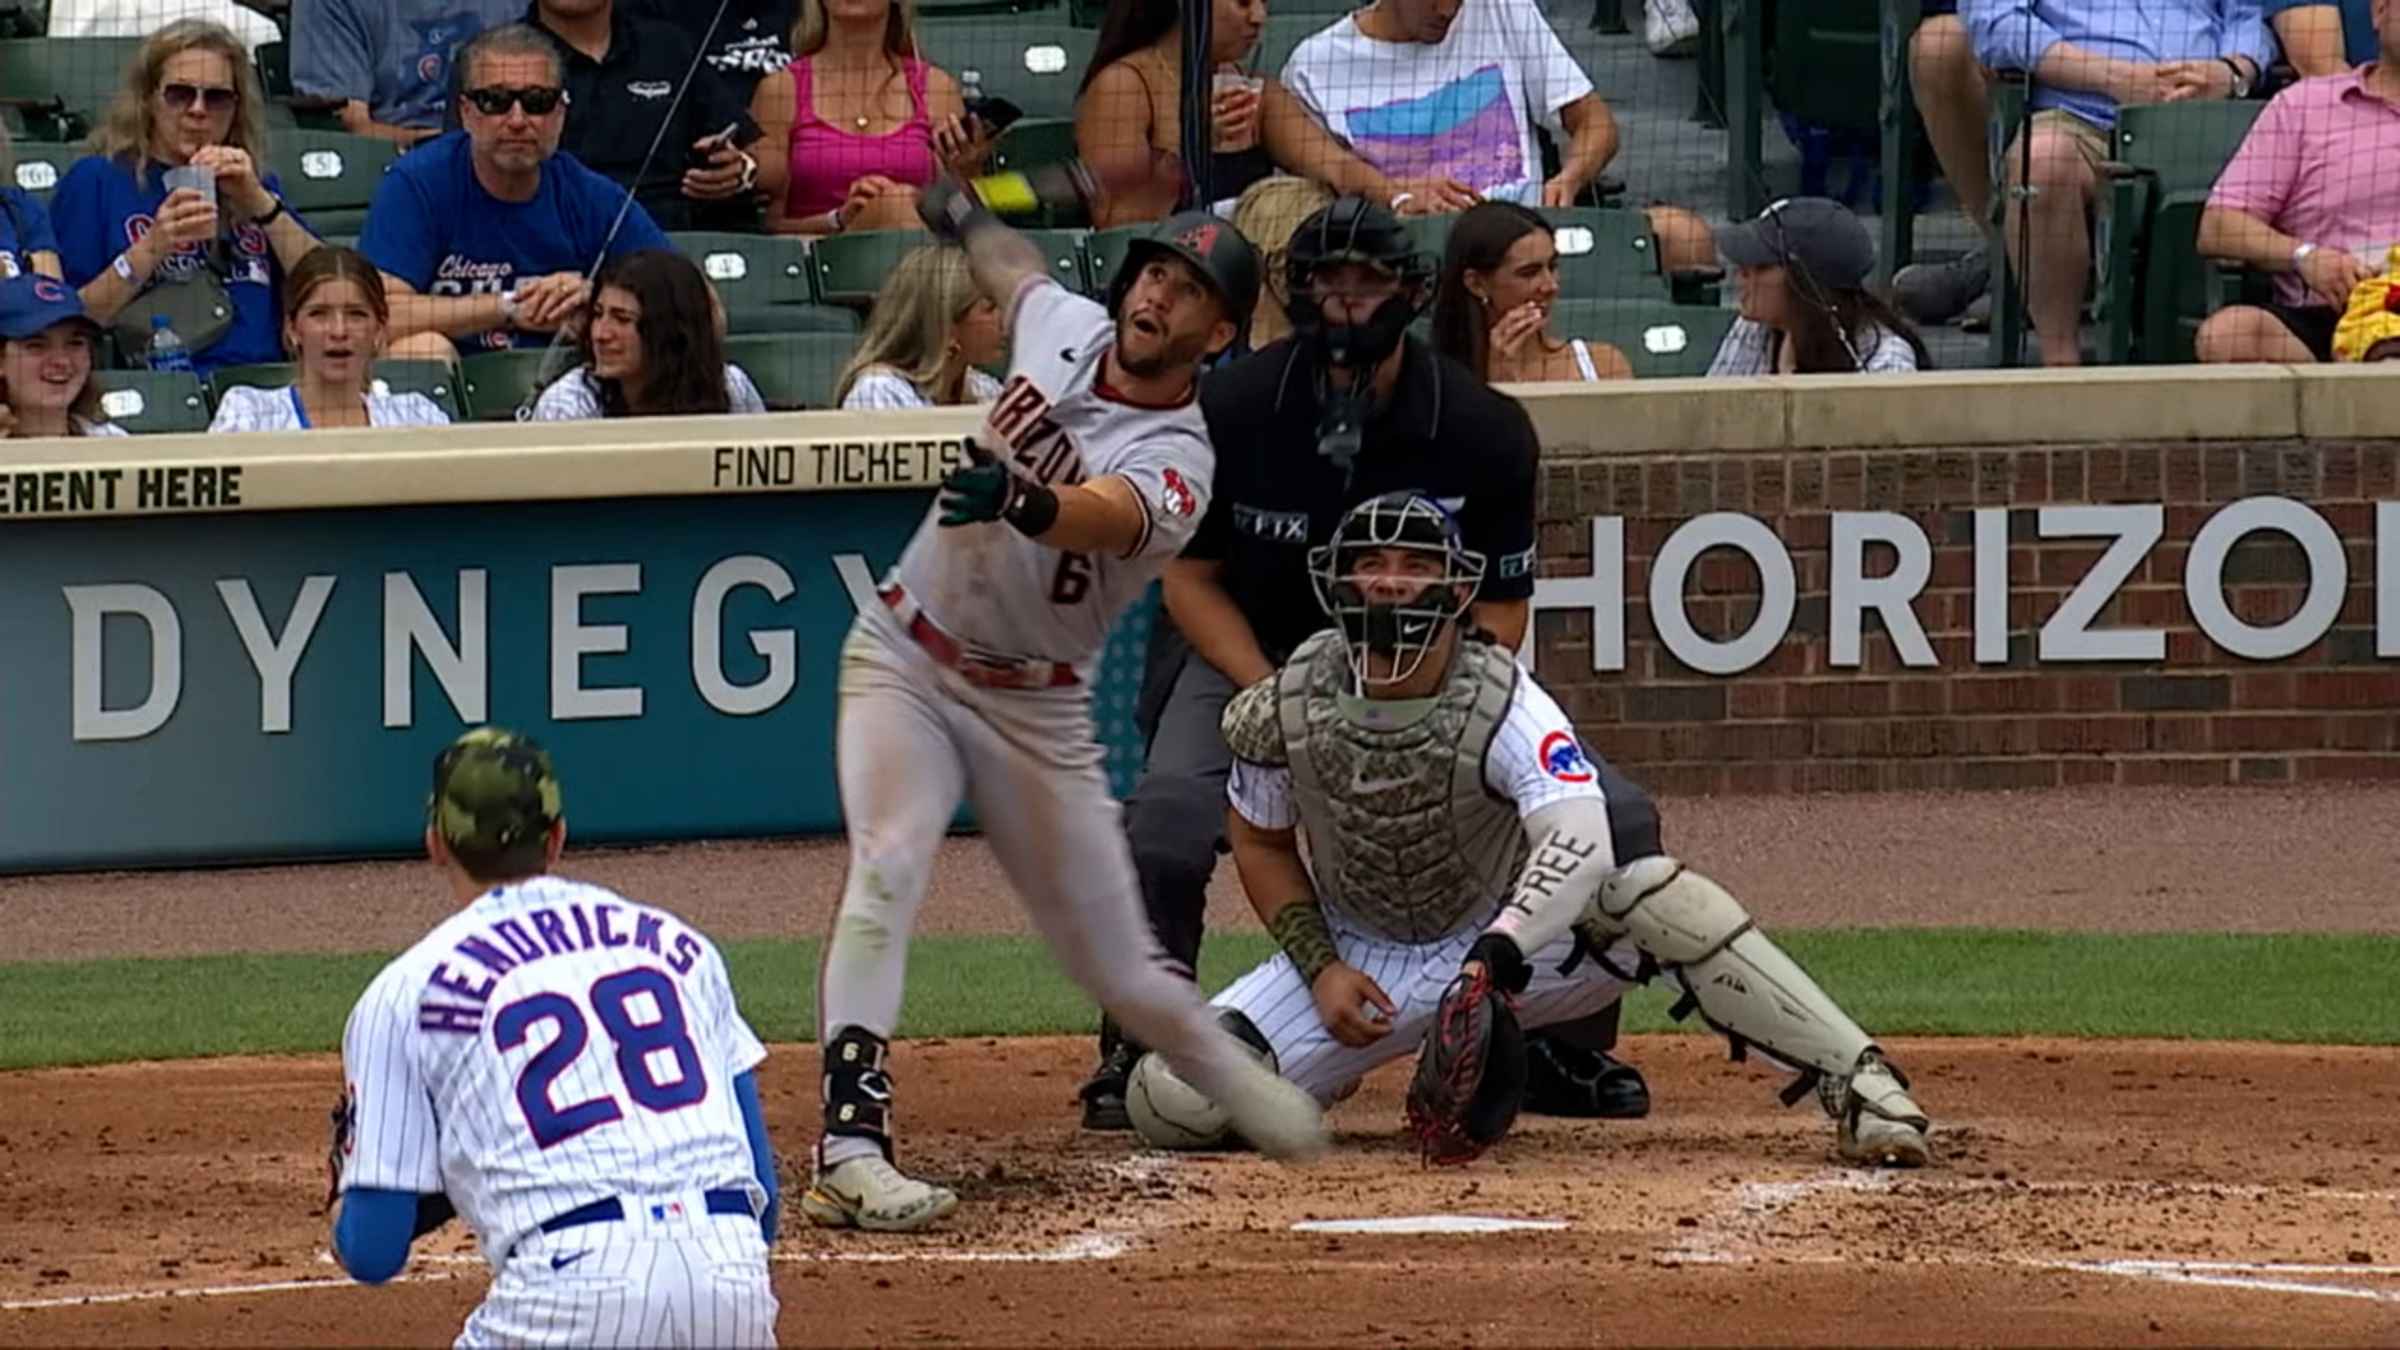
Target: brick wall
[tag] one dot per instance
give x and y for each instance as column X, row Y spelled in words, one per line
column 1796, row 722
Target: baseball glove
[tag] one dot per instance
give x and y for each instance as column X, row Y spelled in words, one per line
column 337, row 1150
column 1470, row 1075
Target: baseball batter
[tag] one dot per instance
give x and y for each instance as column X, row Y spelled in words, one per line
column 973, row 678
column 567, row 1069
column 1451, row 818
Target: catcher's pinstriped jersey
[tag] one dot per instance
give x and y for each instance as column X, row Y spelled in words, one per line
column 1055, row 423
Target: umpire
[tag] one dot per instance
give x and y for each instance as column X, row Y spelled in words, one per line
column 1347, row 408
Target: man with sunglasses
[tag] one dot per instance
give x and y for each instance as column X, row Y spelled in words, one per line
column 485, row 235
column 623, row 72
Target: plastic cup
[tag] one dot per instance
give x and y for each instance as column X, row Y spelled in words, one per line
column 202, row 181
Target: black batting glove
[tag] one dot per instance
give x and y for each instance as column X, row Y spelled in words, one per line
column 950, row 209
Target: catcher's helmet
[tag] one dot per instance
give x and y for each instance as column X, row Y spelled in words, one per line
column 1355, row 229
column 1402, row 631
column 1210, row 245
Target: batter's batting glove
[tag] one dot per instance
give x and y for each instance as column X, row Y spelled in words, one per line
column 984, row 490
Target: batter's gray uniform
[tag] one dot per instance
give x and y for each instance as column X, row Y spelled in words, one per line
column 924, row 717
column 1413, row 821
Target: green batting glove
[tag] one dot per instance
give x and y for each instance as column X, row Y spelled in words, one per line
column 978, row 491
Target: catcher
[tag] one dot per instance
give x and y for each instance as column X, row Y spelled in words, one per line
column 1470, row 872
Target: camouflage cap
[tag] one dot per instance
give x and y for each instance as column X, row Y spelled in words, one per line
column 492, row 788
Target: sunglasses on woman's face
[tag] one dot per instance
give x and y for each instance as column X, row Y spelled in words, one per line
column 216, row 98
column 537, row 100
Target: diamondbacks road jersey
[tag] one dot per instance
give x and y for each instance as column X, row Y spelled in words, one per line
column 1534, row 760
column 549, row 1045
column 1054, row 423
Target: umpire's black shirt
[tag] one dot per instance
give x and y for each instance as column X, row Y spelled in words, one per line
column 1443, row 433
column 616, row 103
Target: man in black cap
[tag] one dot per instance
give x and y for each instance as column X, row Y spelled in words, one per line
column 1347, row 408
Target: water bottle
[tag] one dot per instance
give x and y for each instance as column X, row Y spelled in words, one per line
column 167, row 351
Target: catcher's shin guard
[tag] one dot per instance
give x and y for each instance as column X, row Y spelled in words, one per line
column 1745, row 986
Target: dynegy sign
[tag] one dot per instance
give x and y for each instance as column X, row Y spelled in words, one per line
column 2067, row 635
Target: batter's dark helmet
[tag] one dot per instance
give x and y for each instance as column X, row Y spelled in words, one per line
column 1355, row 229
column 1207, row 243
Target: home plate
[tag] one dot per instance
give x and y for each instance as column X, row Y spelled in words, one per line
column 1427, row 1223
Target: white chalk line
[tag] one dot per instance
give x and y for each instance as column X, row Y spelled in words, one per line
column 208, row 1291
column 2219, row 1274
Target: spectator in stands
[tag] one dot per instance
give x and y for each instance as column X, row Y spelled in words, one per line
column 742, row 44
column 46, row 341
column 27, row 242
column 2313, row 195
column 2370, row 328
column 190, row 101
column 1953, row 97
column 2320, row 37
column 388, row 62
column 928, row 338
column 1491, row 309
column 141, row 18
column 1446, row 93
column 623, row 73
column 483, row 234
column 1129, row 124
column 858, row 122
column 1801, row 269
column 2087, row 58
column 1267, row 215
column 335, row 322
column 653, row 346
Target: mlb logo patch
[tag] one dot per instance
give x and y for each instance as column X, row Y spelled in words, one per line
column 1564, row 760
column 673, row 1209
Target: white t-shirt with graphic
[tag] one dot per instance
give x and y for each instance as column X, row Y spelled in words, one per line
column 1458, row 108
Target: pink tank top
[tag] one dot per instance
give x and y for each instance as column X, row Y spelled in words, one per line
column 827, row 159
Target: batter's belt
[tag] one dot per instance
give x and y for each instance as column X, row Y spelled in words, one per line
column 987, row 669
column 612, row 1210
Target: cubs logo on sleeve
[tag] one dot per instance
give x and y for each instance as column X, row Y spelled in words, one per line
column 1564, row 760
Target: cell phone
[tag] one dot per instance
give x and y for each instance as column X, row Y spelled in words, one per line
column 709, row 145
column 994, row 112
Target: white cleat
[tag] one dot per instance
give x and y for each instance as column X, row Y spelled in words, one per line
column 1275, row 1115
column 1880, row 1125
column 872, row 1194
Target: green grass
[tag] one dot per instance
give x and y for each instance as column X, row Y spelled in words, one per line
column 2317, row 988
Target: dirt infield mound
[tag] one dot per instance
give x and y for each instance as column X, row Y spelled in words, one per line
column 2111, row 1194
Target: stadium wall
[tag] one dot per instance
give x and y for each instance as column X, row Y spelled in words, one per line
column 214, row 649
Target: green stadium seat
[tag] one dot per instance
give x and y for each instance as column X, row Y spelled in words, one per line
column 328, row 177
column 1660, row 339
column 1286, row 29
column 1036, row 141
column 792, row 370
column 750, row 318
column 41, row 164
column 62, row 85
column 1821, row 57
column 1036, row 65
column 949, row 11
column 150, row 401
column 851, row 267
column 496, row 384
column 436, row 380
column 2155, row 289
column 1605, row 253
column 750, row 269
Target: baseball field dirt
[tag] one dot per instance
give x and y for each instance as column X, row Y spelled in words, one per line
column 2086, row 1193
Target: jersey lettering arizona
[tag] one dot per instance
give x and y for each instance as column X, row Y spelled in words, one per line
column 549, row 1045
column 1038, row 447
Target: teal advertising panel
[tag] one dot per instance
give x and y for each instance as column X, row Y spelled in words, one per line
column 274, row 685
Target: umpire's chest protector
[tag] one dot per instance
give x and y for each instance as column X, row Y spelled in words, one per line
column 1404, row 836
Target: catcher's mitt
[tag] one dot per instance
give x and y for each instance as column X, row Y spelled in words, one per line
column 1471, row 1073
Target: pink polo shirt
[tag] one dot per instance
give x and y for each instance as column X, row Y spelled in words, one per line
column 2322, row 164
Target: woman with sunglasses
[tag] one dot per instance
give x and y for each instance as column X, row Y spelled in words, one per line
column 190, row 103
column 336, row 323
column 653, row 346
column 858, row 122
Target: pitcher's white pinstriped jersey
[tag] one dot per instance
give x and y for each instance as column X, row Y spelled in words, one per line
column 1534, row 760
column 549, row 1045
column 995, row 590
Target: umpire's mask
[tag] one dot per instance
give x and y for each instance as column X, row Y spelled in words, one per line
column 1354, row 230
column 1394, row 579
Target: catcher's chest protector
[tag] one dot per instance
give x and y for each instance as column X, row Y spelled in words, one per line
column 1403, row 835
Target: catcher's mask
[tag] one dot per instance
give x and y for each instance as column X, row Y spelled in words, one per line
column 1394, row 578
column 1354, row 230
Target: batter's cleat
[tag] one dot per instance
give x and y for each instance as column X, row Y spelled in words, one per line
column 1879, row 1124
column 1579, row 1084
column 1276, row 1115
column 872, row 1194
column 1104, row 1093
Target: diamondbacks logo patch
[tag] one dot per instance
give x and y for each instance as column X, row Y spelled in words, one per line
column 1199, row 239
column 1564, row 760
column 1176, row 495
